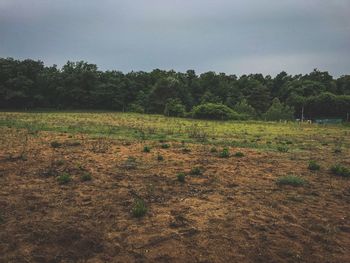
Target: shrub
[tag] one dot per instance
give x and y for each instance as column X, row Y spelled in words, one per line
column 86, row 177
column 174, row 108
column 244, row 109
column 146, row 149
column 214, row 111
column 165, row 146
column 340, row 170
column 139, row 208
column 282, row 149
column 239, row 154
column 64, row 178
column 130, row 163
column 313, row 166
column 55, row 144
column 186, row 150
column 160, row 157
column 213, row 150
column 136, row 108
column 279, row 111
column 290, row 180
column 225, row 153
column 181, row 177
column 196, row 171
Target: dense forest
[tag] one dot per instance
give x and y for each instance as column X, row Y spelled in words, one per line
column 28, row 84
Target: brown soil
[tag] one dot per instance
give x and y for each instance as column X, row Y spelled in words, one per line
column 233, row 212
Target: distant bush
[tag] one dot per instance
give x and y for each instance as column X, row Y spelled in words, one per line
column 146, row 149
column 181, row 177
column 196, row 171
column 290, row 180
column 86, row 177
column 244, row 109
column 136, row 108
column 160, row 157
column 313, row 166
column 340, row 170
column 214, row 111
column 225, row 153
column 165, row 145
column 279, row 111
column 213, row 150
column 64, row 178
column 139, row 208
column 175, row 108
column 239, row 154
column 55, row 144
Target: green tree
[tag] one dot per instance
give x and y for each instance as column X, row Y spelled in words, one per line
column 279, row 111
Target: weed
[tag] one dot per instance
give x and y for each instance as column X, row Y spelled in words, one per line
column 225, row 153
column 64, row 178
column 313, row 166
column 59, row 162
column 186, row 150
column 340, row 170
column 196, row 171
column 282, row 148
column 139, row 208
column 165, row 146
column 213, row 150
column 160, row 157
column 181, row 177
column 86, row 177
column 55, row 144
column 239, row 154
column 130, row 163
column 2, row 220
column 146, row 149
column 291, row 180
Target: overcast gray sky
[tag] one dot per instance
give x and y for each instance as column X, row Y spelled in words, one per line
column 235, row 37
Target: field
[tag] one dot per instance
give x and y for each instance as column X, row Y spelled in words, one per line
column 120, row 187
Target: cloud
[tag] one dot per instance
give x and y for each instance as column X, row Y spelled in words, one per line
column 228, row 36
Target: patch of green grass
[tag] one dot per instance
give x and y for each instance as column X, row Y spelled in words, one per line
column 282, row 148
column 181, row 177
column 146, row 149
column 139, row 208
column 340, row 170
column 225, row 153
column 165, row 146
column 86, row 177
column 196, row 171
column 291, row 180
column 239, row 154
column 314, row 166
column 64, row 178
column 55, row 144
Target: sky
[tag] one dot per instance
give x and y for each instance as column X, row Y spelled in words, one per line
column 235, row 37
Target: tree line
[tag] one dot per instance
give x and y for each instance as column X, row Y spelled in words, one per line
column 29, row 84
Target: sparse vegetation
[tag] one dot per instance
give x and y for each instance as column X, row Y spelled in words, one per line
column 340, row 170
column 225, row 153
column 239, row 154
column 165, row 145
column 314, row 166
column 55, row 144
column 291, row 180
column 196, row 170
column 139, row 208
column 86, row 177
column 146, row 149
column 64, row 178
column 160, row 157
column 181, row 177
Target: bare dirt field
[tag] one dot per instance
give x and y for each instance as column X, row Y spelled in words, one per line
column 227, row 209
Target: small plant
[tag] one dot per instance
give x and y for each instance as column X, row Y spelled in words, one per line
column 64, row 178
column 60, row 162
column 337, row 150
column 165, row 146
column 225, row 153
column 313, row 166
column 340, row 170
column 160, row 157
column 239, row 154
column 186, row 150
column 146, row 149
column 282, row 149
column 130, row 163
column 139, row 208
column 196, row 171
column 2, row 220
column 290, row 180
column 213, row 150
column 181, row 177
column 86, row 177
column 55, row 144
